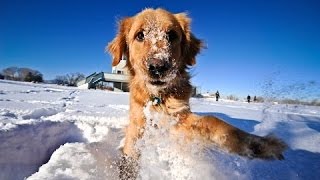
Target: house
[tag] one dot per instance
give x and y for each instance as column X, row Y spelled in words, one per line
column 117, row 80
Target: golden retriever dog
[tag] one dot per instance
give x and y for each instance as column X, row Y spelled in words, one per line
column 159, row 47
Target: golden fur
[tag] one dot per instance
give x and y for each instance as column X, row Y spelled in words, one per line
column 156, row 36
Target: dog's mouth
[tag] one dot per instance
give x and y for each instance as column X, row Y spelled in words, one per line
column 157, row 83
column 160, row 72
column 162, row 80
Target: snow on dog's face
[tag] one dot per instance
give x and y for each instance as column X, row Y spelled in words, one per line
column 158, row 45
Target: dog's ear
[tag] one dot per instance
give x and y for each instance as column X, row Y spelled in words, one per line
column 191, row 45
column 118, row 46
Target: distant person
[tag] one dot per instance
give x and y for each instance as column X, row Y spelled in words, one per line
column 248, row 98
column 255, row 99
column 217, row 96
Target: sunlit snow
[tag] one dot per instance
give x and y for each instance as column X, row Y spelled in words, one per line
column 57, row 132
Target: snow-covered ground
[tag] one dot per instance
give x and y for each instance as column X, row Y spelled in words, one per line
column 56, row 132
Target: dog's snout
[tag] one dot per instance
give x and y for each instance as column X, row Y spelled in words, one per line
column 157, row 67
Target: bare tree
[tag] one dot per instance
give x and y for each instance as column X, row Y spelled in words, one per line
column 10, row 73
column 315, row 102
column 22, row 74
column 34, row 76
column 73, row 78
column 61, row 80
column 69, row 79
column 259, row 99
column 233, row 97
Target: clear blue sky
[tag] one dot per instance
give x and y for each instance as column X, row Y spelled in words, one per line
column 248, row 42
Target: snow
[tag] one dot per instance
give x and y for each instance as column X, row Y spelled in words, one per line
column 56, row 132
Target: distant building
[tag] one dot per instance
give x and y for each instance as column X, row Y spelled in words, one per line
column 117, row 80
column 120, row 68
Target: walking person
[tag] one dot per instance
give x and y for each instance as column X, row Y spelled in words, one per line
column 217, row 96
column 248, row 98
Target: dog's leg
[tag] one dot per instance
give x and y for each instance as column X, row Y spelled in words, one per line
column 212, row 129
column 133, row 132
column 129, row 166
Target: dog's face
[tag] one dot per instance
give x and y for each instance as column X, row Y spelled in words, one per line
column 158, row 45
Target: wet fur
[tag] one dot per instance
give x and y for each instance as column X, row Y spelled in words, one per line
column 176, row 93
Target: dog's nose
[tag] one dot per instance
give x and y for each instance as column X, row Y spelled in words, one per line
column 157, row 67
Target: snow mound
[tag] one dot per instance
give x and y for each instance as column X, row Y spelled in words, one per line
column 41, row 112
column 70, row 161
column 84, row 161
column 26, row 147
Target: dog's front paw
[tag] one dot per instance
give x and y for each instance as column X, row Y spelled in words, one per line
column 267, row 147
column 128, row 168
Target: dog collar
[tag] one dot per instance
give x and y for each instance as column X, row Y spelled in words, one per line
column 156, row 100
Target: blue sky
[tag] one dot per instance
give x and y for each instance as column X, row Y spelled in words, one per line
column 248, row 42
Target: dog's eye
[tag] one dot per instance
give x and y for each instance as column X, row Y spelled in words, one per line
column 172, row 35
column 140, row 36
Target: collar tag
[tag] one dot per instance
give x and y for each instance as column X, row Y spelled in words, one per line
column 156, row 100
